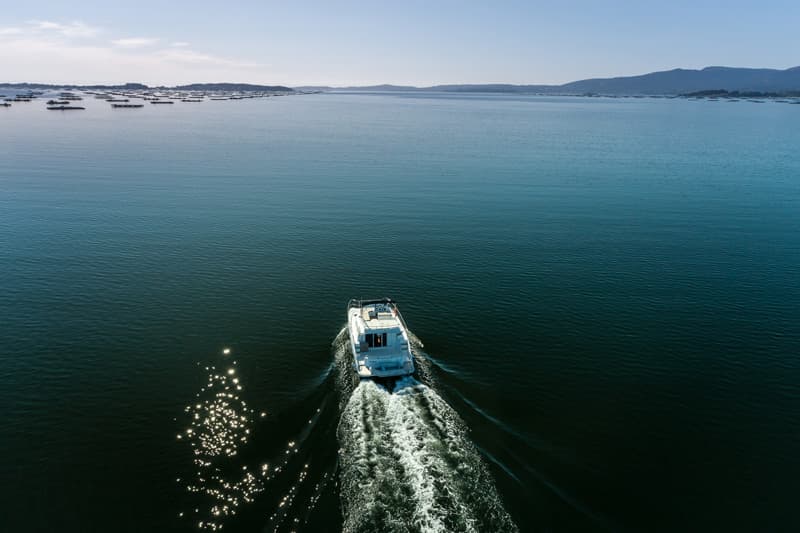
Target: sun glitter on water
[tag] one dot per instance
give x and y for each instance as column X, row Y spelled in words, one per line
column 220, row 425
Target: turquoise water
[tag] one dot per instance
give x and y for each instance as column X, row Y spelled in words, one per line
column 606, row 294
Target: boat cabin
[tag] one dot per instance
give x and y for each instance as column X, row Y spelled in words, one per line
column 377, row 326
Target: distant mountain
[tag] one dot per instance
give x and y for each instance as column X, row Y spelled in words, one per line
column 677, row 81
column 126, row 86
column 483, row 88
column 231, row 87
column 494, row 88
column 382, row 88
column 142, row 87
column 308, row 88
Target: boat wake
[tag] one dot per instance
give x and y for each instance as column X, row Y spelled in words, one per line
column 404, row 459
column 407, row 464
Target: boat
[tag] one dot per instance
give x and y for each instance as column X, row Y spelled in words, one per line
column 57, row 102
column 64, row 107
column 127, row 105
column 117, row 100
column 5, row 104
column 379, row 339
column 161, row 102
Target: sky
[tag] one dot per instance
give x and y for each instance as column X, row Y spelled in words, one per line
column 410, row 42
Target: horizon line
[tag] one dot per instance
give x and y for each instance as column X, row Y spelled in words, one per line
column 388, row 84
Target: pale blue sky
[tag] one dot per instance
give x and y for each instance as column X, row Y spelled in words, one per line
column 411, row 42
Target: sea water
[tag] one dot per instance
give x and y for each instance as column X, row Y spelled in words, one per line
column 608, row 293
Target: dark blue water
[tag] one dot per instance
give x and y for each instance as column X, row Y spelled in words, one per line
column 606, row 294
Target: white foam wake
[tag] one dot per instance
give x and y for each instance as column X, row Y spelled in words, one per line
column 408, row 465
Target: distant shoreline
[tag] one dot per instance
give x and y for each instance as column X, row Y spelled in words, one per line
column 756, row 82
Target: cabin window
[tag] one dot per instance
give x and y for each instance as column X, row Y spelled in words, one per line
column 376, row 340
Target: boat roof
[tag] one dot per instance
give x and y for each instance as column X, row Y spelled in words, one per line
column 372, row 317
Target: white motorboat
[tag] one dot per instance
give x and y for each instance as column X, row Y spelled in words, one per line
column 379, row 339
